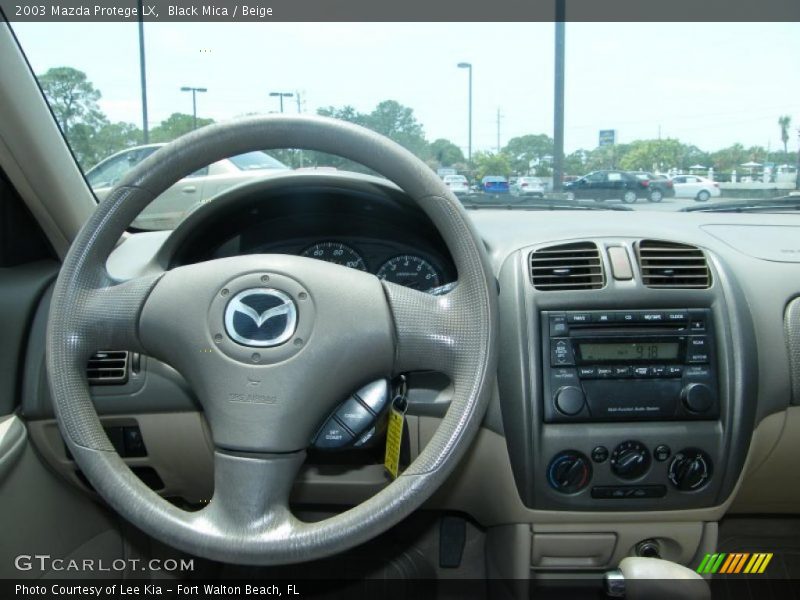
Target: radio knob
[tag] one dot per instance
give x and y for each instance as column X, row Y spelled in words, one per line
column 697, row 397
column 630, row 460
column 570, row 400
column 569, row 472
column 690, row 469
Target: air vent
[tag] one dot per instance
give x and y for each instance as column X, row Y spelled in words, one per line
column 574, row 266
column 108, row 368
column 672, row 265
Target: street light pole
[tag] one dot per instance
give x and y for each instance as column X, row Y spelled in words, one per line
column 465, row 65
column 143, row 77
column 194, row 91
column 281, row 96
column 558, row 100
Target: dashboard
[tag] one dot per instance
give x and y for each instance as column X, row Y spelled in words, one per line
column 623, row 406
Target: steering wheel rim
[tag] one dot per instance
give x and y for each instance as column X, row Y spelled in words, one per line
column 248, row 519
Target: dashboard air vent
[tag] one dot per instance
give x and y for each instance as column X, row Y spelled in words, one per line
column 672, row 265
column 109, row 367
column 575, row 266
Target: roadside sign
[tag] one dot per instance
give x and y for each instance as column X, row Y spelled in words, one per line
column 608, row 137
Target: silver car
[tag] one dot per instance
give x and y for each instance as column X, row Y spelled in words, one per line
column 528, row 186
column 169, row 209
column 457, row 183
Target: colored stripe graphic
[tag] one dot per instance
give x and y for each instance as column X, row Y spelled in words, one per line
column 734, row 563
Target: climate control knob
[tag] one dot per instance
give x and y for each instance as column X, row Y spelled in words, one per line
column 630, row 460
column 690, row 469
column 569, row 472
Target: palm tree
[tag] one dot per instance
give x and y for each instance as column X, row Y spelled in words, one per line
column 784, row 122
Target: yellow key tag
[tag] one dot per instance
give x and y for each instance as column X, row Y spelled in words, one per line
column 394, row 437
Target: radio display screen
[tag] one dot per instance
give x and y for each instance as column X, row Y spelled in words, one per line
column 627, row 351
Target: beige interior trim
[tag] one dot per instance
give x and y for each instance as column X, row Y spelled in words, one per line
column 33, row 152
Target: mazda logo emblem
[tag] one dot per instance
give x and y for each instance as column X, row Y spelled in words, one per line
column 261, row 317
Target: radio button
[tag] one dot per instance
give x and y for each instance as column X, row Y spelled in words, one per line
column 652, row 317
column 674, row 371
column 697, row 351
column 605, row 372
column 627, row 317
column 604, row 317
column 579, row 318
column 677, row 316
column 658, row 371
column 558, row 325
column 622, row 372
column 570, row 400
column 561, row 377
column 561, row 353
column 641, row 371
column 697, row 324
column 697, row 372
column 697, row 357
column 697, row 397
column 587, row 372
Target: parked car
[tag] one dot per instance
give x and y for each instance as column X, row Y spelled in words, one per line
column 166, row 211
column 694, row 186
column 494, row 184
column 528, row 186
column 457, row 183
column 660, row 186
column 607, row 185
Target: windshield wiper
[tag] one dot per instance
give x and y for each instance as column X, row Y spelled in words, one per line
column 542, row 206
column 738, row 206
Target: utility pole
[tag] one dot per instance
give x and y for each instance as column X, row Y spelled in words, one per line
column 558, row 98
column 468, row 66
column 299, row 110
column 499, row 116
column 797, row 176
column 143, row 77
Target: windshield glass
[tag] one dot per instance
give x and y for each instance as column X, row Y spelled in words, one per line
column 650, row 123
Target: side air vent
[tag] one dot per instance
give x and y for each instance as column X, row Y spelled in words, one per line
column 575, row 266
column 109, row 367
column 672, row 265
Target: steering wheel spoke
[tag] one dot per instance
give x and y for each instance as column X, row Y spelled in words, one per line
column 427, row 331
column 251, row 494
column 110, row 319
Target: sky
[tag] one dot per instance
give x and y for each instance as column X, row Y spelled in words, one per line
column 707, row 84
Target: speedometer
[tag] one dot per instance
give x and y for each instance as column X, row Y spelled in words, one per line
column 336, row 253
column 411, row 271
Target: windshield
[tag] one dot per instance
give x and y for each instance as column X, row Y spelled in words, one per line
column 722, row 112
column 253, row 161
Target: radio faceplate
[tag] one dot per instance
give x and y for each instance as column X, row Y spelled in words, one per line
column 629, row 365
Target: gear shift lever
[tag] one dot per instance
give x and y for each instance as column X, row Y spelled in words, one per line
column 655, row 579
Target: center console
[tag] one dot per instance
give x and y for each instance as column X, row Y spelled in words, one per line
column 619, row 394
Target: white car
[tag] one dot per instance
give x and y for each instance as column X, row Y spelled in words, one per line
column 169, row 209
column 457, row 183
column 528, row 186
column 694, row 186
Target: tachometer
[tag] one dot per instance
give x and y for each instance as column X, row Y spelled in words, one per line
column 336, row 253
column 411, row 271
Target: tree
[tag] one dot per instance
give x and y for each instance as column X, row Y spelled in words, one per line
column 72, row 97
column 524, row 149
column 93, row 144
column 730, row 157
column 176, row 125
column 445, row 153
column 575, row 163
column 784, row 123
column 489, row 163
column 652, row 155
column 398, row 123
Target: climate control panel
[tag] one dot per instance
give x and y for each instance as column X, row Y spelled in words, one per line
column 631, row 470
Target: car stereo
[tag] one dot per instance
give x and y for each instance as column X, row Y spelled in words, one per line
column 629, row 365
